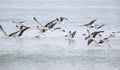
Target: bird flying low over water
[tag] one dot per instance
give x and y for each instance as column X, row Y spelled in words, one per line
column 105, row 40
column 20, row 24
column 90, row 41
column 50, row 26
column 93, row 34
column 61, row 20
column 46, row 27
column 59, row 28
column 71, row 35
column 90, row 24
column 100, row 42
column 97, row 27
column 15, row 34
column 93, row 26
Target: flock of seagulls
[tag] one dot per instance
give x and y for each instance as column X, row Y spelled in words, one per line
column 96, row 36
column 94, row 33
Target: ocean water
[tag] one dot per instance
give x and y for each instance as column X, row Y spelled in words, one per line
column 53, row 51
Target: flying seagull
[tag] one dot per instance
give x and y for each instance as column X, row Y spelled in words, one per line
column 13, row 34
column 61, row 20
column 20, row 24
column 93, row 34
column 100, row 42
column 46, row 27
column 90, row 24
column 71, row 35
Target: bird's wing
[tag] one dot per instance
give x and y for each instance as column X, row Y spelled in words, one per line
column 73, row 34
column 100, row 26
column 91, row 22
column 90, row 41
column 87, row 37
column 21, row 32
column 37, row 21
column 59, row 29
column 1, row 28
column 62, row 18
column 13, row 34
column 52, row 25
column 49, row 23
column 18, row 21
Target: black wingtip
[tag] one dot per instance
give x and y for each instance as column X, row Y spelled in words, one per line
column 28, row 27
column 90, row 41
column 34, row 18
column 1, row 27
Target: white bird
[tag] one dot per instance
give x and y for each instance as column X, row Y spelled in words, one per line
column 71, row 35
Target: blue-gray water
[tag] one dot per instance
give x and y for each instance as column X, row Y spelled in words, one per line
column 53, row 52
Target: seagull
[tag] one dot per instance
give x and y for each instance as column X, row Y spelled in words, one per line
column 18, row 33
column 97, row 27
column 22, row 31
column 100, row 42
column 93, row 34
column 20, row 24
column 90, row 24
column 52, row 23
column 90, row 41
column 71, row 35
column 93, row 26
column 44, row 25
column 43, row 29
column 59, row 28
column 49, row 25
column 14, row 34
column 61, row 20
column 105, row 40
